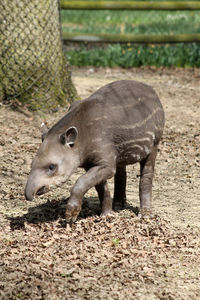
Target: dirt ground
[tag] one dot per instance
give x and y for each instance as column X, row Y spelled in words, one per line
column 122, row 256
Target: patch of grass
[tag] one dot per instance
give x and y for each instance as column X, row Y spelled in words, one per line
column 116, row 241
column 130, row 55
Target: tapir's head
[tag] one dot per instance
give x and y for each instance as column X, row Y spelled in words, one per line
column 56, row 159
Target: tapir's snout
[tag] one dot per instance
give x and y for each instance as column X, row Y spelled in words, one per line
column 31, row 187
column 34, row 186
column 28, row 195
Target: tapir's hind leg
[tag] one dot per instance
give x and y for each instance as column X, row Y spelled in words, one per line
column 105, row 198
column 119, row 199
column 146, row 178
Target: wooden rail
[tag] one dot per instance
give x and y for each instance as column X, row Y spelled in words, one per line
column 130, row 5
column 132, row 38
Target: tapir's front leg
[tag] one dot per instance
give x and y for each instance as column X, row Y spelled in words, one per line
column 93, row 177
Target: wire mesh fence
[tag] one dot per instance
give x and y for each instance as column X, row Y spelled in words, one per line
column 32, row 63
column 131, row 21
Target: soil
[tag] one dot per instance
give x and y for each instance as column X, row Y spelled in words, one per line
column 121, row 256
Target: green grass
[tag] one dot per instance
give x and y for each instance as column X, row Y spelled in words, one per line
column 138, row 22
column 126, row 56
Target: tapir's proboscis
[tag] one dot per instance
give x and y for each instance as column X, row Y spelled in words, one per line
column 118, row 125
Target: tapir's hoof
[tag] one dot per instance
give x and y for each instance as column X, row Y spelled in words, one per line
column 106, row 213
column 72, row 212
column 119, row 205
column 145, row 213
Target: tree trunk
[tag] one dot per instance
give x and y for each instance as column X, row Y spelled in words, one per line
column 33, row 68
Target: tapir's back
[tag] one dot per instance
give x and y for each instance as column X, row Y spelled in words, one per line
column 127, row 113
column 128, row 105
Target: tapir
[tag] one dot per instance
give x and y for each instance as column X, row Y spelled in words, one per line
column 118, row 125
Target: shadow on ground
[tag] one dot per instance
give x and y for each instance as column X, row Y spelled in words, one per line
column 55, row 210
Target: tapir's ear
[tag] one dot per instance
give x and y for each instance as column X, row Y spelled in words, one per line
column 69, row 136
column 44, row 130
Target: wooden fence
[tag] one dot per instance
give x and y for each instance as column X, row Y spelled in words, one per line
column 130, row 5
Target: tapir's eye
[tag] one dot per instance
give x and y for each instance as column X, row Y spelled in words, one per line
column 51, row 169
